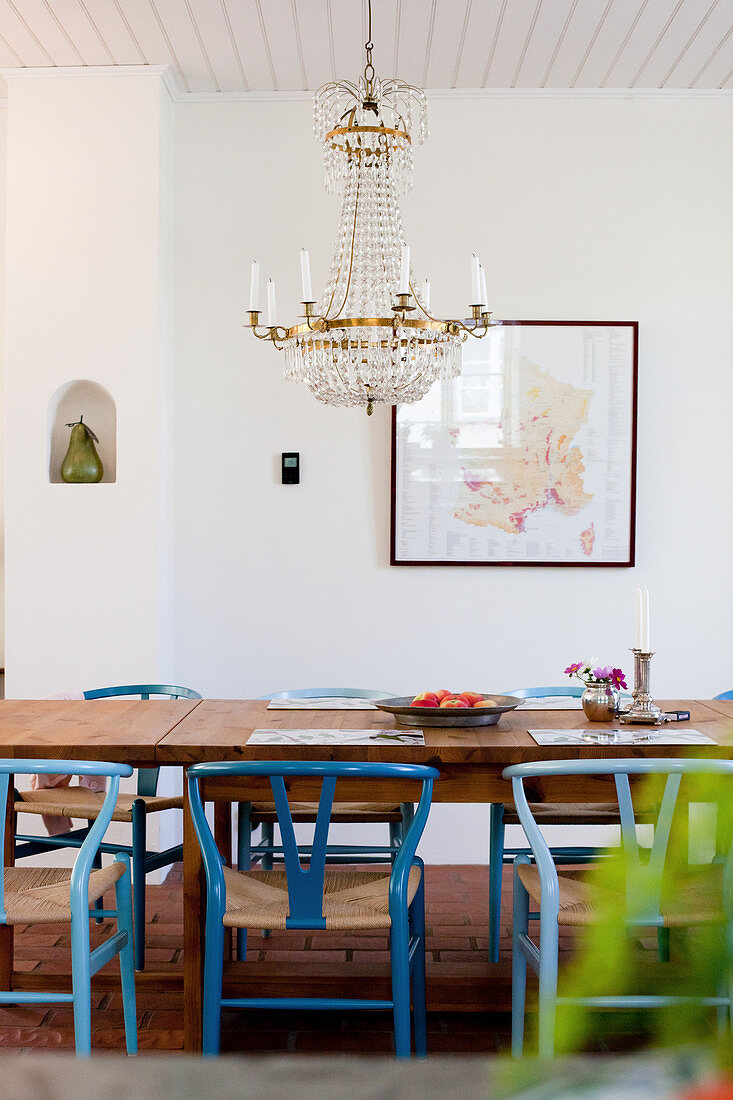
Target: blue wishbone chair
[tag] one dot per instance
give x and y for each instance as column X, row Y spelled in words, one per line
column 564, row 901
column 43, row 895
column 397, row 816
column 313, row 897
column 500, row 816
column 79, row 802
column 724, row 695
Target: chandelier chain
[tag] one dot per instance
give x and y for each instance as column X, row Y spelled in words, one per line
column 369, row 67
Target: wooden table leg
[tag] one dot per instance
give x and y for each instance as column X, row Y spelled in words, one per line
column 193, row 930
column 6, row 931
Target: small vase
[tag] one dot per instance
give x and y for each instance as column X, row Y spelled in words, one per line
column 600, row 702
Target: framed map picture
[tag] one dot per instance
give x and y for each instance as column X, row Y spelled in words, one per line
column 528, row 458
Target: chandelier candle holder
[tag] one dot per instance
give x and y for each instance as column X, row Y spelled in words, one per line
column 371, row 337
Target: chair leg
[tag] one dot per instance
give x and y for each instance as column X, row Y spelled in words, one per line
column 663, row 944
column 395, row 839
column 244, row 861
column 81, row 985
column 213, row 977
column 97, row 866
column 123, row 904
column 399, row 946
column 417, row 928
column 139, row 851
column 268, row 837
column 496, row 867
column 548, row 983
column 520, row 927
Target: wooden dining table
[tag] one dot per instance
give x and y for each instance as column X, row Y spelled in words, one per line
column 178, row 733
column 470, row 761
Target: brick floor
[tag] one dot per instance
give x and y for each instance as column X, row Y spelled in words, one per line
column 458, row 974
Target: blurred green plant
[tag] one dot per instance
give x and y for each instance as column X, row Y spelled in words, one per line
column 614, row 956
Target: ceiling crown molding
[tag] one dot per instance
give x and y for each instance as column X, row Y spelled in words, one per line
column 164, row 72
column 474, row 93
column 178, row 94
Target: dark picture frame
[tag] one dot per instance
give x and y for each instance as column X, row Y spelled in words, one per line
column 529, row 458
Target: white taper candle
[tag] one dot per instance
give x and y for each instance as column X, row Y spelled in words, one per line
column 254, row 287
column 405, row 270
column 271, row 305
column 484, row 296
column 645, row 631
column 305, row 275
column 475, row 281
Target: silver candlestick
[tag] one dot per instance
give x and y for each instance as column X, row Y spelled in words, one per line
column 643, row 709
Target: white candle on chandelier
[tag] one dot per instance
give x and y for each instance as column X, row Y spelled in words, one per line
column 484, row 295
column 405, row 270
column 271, row 306
column 254, row 287
column 305, row 275
column 475, row 281
column 426, row 294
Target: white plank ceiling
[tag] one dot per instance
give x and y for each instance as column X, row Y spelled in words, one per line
column 239, row 46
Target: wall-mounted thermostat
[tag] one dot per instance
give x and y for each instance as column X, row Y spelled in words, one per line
column 291, row 467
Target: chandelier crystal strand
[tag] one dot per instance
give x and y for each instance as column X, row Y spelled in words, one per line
column 359, row 345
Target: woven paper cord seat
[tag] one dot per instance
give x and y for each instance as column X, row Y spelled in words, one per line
column 40, row 895
column 697, row 900
column 342, row 811
column 81, row 802
column 352, row 899
column 550, row 813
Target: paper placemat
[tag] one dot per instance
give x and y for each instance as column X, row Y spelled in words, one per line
column 336, row 737
column 327, row 702
column 621, row 737
column 552, row 702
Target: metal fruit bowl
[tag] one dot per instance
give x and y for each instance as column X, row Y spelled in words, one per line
column 447, row 716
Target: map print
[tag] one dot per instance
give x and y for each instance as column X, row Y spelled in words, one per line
column 545, row 469
column 527, row 457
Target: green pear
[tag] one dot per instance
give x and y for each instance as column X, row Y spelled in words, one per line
column 82, row 463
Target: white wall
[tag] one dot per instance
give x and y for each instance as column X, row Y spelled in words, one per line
column 3, row 122
column 83, row 301
column 582, row 207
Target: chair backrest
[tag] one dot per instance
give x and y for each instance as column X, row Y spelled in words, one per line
column 87, row 851
column 147, row 778
column 572, row 690
column 649, row 872
column 144, row 691
column 305, row 886
column 328, row 693
column 724, row 695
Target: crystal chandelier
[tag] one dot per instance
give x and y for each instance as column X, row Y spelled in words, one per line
column 360, row 344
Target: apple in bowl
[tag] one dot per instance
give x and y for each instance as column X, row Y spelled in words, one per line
column 425, row 699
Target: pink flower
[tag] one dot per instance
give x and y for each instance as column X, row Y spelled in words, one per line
column 618, row 678
column 572, row 669
column 602, row 673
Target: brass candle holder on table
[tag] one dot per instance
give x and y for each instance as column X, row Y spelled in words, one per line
column 642, row 710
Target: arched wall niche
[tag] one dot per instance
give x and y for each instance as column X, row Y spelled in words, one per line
column 74, row 399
